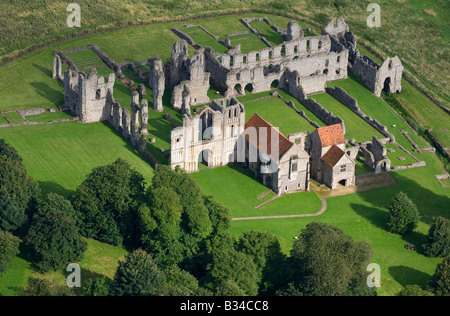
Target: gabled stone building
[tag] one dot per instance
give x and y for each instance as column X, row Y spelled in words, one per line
column 330, row 164
column 281, row 163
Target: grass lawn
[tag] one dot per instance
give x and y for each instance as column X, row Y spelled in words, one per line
column 3, row 120
column 279, row 114
column 272, row 37
column 60, row 155
column 249, row 42
column 423, row 111
column 398, row 153
column 87, row 59
column 361, row 168
column 49, row 116
column 238, row 190
column 204, row 39
column 377, row 109
column 99, row 260
column 14, row 117
column 160, row 129
column 355, row 126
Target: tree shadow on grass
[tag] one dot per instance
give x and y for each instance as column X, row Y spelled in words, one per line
column 428, row 202
column 417, row 239
column 406, row 276
column 128, row 145
column 53, row 187
column 376, row 216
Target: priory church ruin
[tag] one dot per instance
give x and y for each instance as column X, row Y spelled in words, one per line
column 217, row 133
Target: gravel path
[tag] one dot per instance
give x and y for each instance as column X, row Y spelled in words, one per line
column 322, row 210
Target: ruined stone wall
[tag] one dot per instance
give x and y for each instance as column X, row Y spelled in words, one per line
column 311, row 57
column 323, row 114
column 213, row 130
column 374, row 76
column 342, row 96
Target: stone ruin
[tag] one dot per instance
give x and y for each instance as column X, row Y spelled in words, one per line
column 91, row 98
column 375, row 157
column 189, row 78
column 301, row 66
column 377, row 78
column 211, row 134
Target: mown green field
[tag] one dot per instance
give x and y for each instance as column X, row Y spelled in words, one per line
column 355, row 126
column 379, row 110
column 60, row 155
column 279, row 114
column 99, row 260
column 238, row 190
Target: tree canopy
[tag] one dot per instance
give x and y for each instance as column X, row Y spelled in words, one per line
column 324, row 261
column 403, row 214
column 437, row 243
column 54, row 241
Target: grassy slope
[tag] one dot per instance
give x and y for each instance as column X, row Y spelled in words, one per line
column 405, row 25
column 59, row 156
column 99, row 260
column 279, row 114
column 238, row 190
column 355, row 126
column 379, row 110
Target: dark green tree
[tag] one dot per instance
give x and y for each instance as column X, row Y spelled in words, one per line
column 174, row 222
column 414, row 290
column 265, row 250
column 9, row 248
column 229, row 288
column 437, row 243
column 440, row 281
column 54, row 241
column 43, row 287
column 160, row 226
column 325, row 261
column 220, row 215
column 403, row 214
column 224, row 263
column 18, row 194
column 178, row 283
column 57, row 203
column 138, row 275
column 9, row 151
column 107, row 203
column 96, row 287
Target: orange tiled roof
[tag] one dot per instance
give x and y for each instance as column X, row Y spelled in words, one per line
column 333, row 155
column 284, row 143
column 331, row 135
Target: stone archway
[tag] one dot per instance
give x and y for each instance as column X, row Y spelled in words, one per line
column 249, row 88
column 238, row 89
column 205, row 158
column 275, row 84
column 387, row 85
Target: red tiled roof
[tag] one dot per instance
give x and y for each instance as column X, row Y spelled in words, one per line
column 331, row 135
column 265, row 137
column 333, row 155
